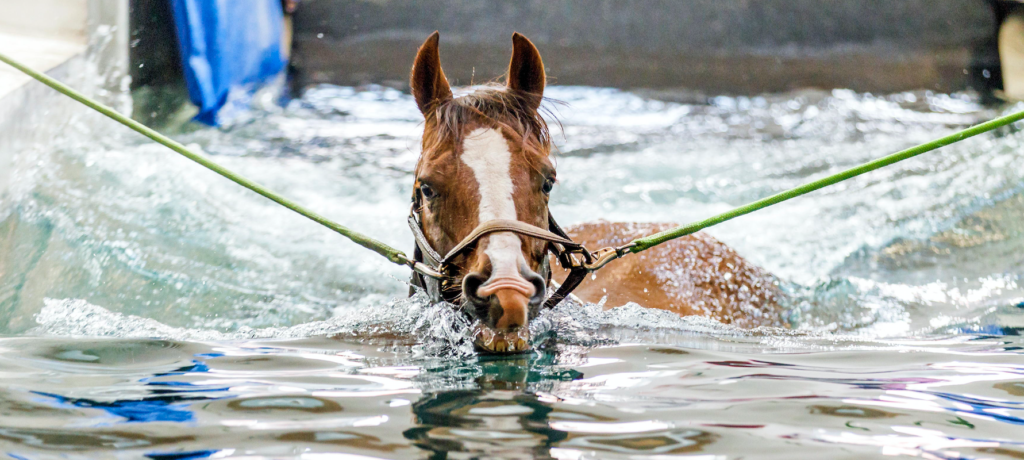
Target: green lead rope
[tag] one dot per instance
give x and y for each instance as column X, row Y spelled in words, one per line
column 392, row 254
column 400, row 258
column 658, row 238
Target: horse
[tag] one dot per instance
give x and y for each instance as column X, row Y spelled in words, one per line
column 480, row 212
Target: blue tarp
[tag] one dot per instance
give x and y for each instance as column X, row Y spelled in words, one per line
column 228, row 47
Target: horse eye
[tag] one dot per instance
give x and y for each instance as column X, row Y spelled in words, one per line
column 548, row 185
column 427, row 191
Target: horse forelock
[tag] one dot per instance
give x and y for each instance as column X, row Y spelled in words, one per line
column 495, row 107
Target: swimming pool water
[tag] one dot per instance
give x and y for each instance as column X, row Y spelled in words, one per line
column 151, row 308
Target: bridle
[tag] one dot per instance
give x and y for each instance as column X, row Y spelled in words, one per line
column 433, row 272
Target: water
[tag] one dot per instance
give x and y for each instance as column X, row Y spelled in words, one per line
column 150, row 308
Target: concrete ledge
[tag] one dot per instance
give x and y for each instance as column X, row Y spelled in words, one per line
column 35, row 52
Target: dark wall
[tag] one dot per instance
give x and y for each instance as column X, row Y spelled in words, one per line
column 714, row 46
column 153, row 46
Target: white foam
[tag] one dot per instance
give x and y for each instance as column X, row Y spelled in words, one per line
column 438, row 328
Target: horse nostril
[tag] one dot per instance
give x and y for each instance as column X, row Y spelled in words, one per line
column 503, row 302
column 540, row 287
column 470, row 285
column 476, row 306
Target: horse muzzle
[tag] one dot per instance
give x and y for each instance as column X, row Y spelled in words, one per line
column 489, row 340
column 503, row 307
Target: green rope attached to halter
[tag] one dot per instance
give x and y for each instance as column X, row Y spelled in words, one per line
column 392, row 254
column 656, row 239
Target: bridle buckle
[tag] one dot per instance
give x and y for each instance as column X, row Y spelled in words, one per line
column 603, row 256
column 581, row 258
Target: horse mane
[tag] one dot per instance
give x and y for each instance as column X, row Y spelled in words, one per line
column 507, row 110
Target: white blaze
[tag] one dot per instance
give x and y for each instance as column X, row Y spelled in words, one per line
column 486, row 152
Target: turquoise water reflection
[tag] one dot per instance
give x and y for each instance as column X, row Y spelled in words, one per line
column 957, row 398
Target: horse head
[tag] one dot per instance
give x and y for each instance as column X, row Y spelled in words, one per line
column 486, row 159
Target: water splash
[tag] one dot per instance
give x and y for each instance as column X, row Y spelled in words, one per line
column 435, row 330
column 133, row 228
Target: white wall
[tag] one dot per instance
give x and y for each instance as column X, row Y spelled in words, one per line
column 54, row 19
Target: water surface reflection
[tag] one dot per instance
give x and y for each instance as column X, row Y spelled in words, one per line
column 312, row 397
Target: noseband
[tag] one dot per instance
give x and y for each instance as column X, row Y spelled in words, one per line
column 440, row 284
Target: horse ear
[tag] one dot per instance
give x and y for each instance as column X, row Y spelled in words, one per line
column 526, row 71
column 429, row 86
